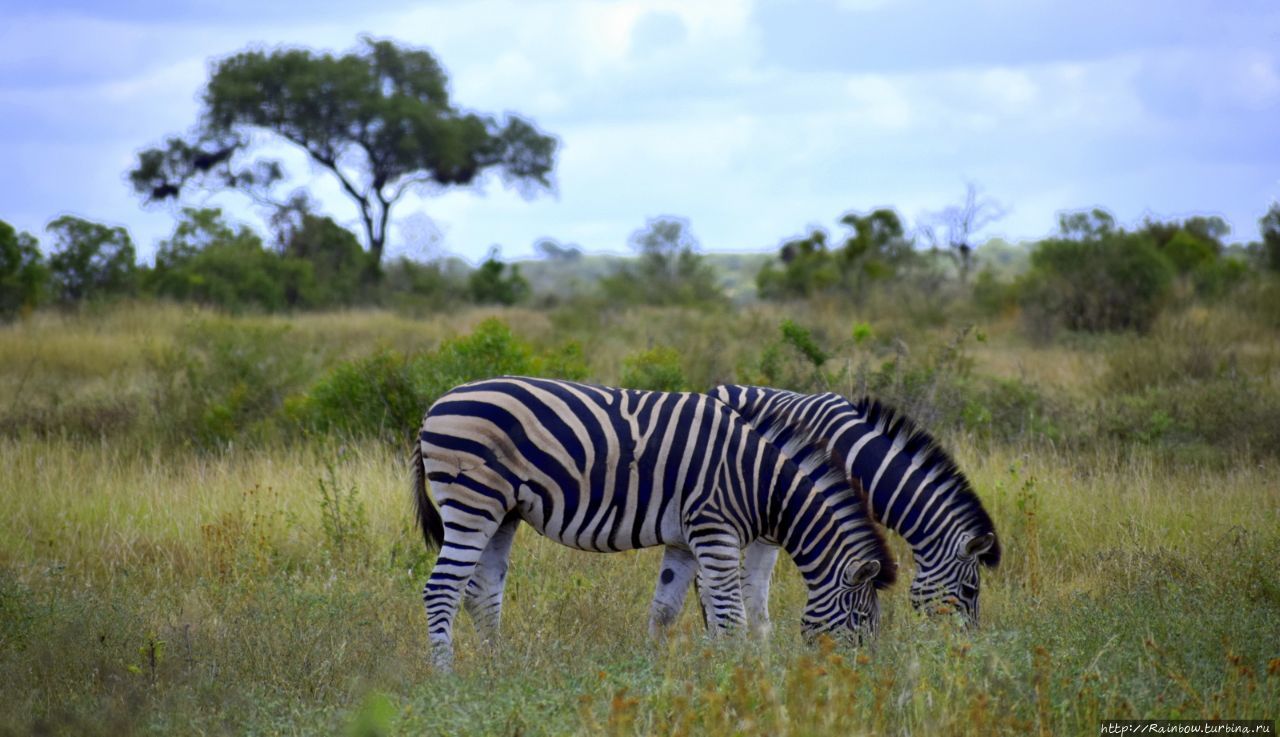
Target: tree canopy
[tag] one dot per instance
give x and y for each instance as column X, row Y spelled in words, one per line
column 90, row 260
column 22, row 271
column 876, row 247
column 669, row 270
column 1269, row 228
column 378, row 119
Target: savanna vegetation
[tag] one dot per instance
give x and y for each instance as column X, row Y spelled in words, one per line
column 207, row 525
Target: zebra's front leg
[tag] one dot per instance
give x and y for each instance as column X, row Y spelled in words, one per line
column 483, row 599
column 720, row 582
column 677, row 572
column 758, row 561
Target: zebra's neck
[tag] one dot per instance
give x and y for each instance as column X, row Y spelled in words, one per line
column 821, row 525
column 911, row 485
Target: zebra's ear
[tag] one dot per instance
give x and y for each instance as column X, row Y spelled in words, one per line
column 976, row 546
column 859, row 572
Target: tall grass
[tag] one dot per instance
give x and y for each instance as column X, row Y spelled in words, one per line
column 271, row 585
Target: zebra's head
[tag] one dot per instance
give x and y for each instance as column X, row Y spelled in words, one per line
column 850, row 610
column 948, row 582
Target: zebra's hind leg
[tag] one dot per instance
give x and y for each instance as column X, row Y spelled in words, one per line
column 470, row 521
column 720, row 582
column 677, row 572
column 483, row 599
column 757, row 568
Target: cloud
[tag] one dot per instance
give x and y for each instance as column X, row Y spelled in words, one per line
column 753, row 119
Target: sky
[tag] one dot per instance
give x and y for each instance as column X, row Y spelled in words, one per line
column 754, row 119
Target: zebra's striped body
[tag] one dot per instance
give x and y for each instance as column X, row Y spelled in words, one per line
column 911, row 487
column 604, row 470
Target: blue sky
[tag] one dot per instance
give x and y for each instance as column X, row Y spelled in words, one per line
column 755, row 120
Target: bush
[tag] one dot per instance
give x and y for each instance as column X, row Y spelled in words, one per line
column 386, row 394
column 792, row 361
column 1269, row 229
column 875, row 249
column 1095, row 278
column 497, row 283
column 91, row 261
column 806, row 268
column 336, row 260
column 1188, row 253
column 22, row 271
column 657, row 369
column 409, row 285
column 992, row 296
column 210, row 262
column 935, row 385
column 669, row 270
column 374, row 395
column 224, row 380
column 1219, row 277
column 1185, row 385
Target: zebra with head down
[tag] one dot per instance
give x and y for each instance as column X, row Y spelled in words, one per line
column 604, row 469
column 911, row 485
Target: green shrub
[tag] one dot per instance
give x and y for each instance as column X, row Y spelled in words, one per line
column 1185, row 385
column 805, row 268
column 23, row 273
column 933, row 384
column 992, row 296
column 669, row 270
column 793, row 361
column 1219, row 277
column 1188, row 253
column 210, row 262
column 802, row 340
column 409, row 285
column 657, row 369
column 91, row 261
column 374, row 395
column 343, row 517
column 386, row 394
column 1269, row 229
column 337, row 262
column 875, row 249
column 1230, row 412
column 497, row 283
column 1095, row 278
column 223, row 380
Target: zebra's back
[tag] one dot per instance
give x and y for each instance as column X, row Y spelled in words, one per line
column 591, row 467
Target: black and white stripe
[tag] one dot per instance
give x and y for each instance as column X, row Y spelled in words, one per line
column 604, row 469
column 911, row 484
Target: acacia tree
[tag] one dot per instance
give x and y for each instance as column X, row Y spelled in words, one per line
column 952, row 229
column 378, row 119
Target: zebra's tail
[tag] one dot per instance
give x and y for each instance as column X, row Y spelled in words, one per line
column 428, row 516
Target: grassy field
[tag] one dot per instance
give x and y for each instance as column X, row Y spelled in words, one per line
column 271, row 585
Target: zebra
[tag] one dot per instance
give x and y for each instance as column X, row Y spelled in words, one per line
column 603, row 469
column 911, row 484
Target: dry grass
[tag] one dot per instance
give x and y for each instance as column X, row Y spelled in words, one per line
column 154, row 590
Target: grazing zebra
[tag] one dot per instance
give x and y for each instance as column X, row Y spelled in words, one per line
column 604, row 469
column 911, row 484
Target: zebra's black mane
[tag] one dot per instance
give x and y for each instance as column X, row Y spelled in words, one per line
column 915, row 440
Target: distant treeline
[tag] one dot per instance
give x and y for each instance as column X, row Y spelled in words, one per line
column 1093, row 275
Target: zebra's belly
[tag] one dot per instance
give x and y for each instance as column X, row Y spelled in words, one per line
column 611, row 526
